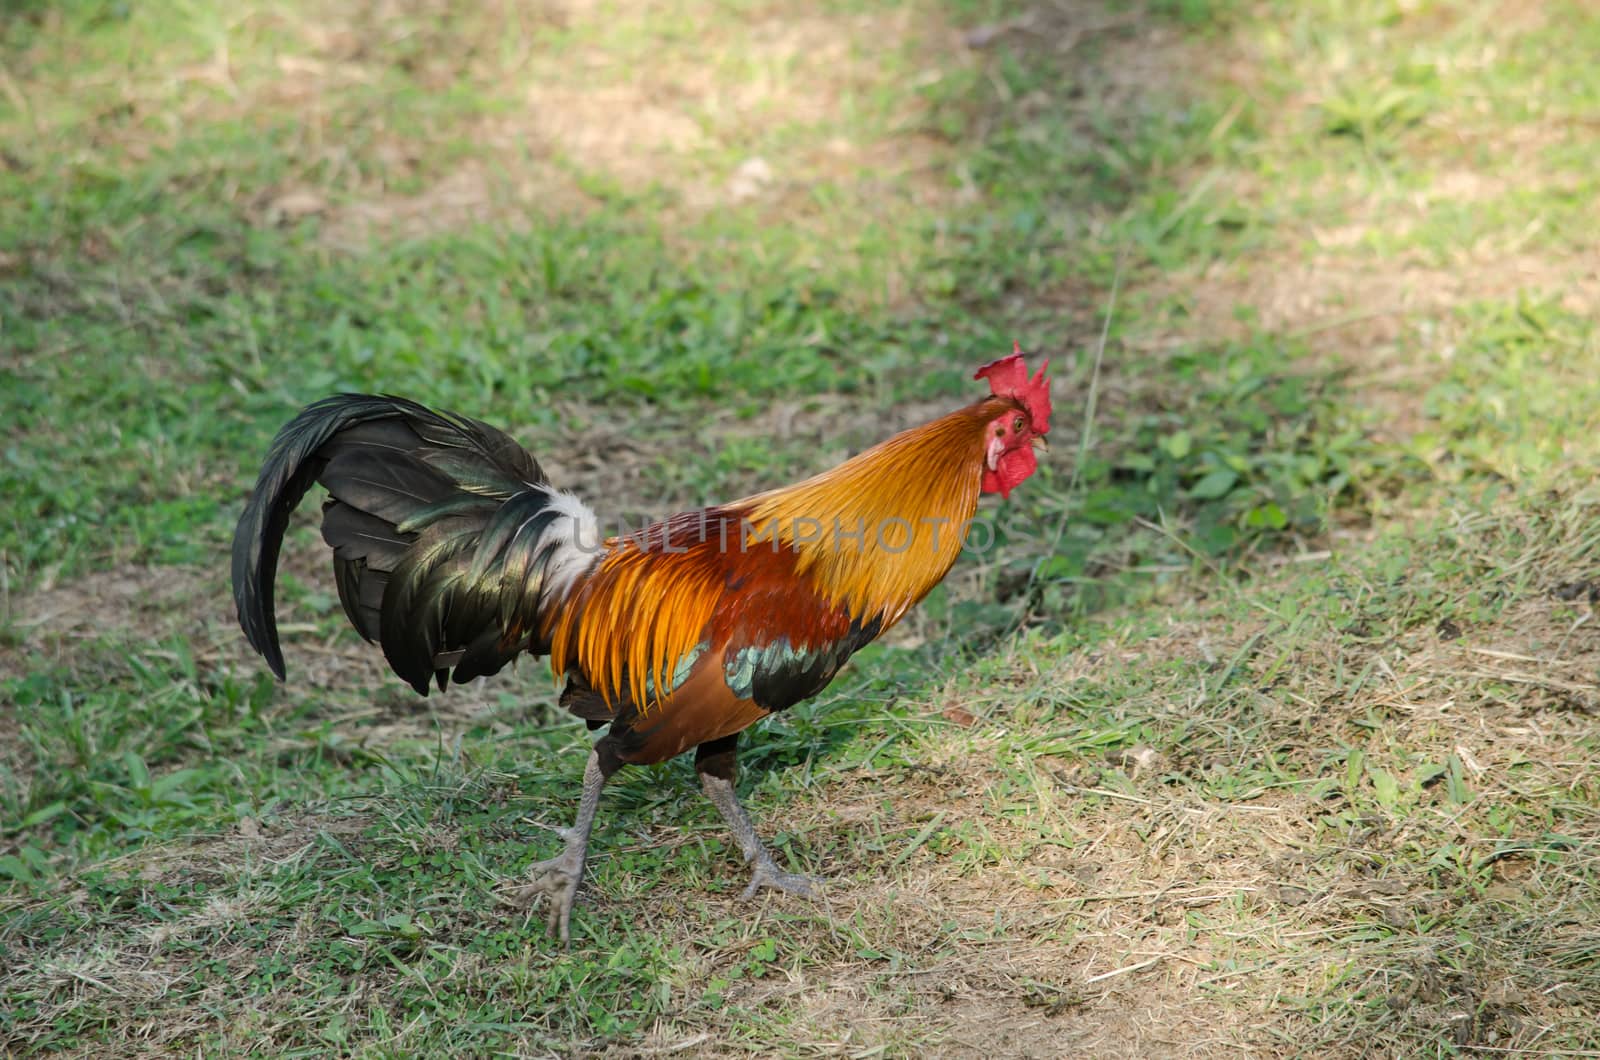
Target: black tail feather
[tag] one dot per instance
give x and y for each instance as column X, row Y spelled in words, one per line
column 437, row 525
column 293, row 464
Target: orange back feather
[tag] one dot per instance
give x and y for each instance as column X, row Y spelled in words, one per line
column 866, row 539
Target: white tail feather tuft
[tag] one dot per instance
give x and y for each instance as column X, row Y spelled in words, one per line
column 578, row 546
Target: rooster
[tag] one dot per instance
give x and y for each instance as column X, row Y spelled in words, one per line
column 453, row 552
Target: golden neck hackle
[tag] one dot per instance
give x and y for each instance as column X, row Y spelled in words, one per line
column 879, row 531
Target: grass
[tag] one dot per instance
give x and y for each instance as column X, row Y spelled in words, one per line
column 1267, row 727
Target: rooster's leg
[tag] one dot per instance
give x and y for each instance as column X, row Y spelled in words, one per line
column 717, row 766
column 559, row 877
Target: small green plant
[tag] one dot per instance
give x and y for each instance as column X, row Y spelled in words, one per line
column 1373, row 114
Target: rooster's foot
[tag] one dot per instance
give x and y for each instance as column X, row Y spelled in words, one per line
column 556, row 879
column 769, row 875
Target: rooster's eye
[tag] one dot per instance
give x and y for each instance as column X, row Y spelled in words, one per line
column 1016, row 424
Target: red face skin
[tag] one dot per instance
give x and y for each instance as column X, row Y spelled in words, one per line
column 1008, row 457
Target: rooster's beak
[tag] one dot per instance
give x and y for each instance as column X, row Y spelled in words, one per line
column 1040, row 444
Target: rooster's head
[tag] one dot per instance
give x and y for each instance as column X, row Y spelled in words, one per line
column 1012, row 436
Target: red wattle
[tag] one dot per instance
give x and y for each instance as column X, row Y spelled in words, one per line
column 1013, row 466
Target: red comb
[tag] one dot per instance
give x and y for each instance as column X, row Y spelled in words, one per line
column 1008, row 377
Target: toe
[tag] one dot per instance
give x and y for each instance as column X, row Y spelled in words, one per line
column 766, row 875
column 796, row 884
